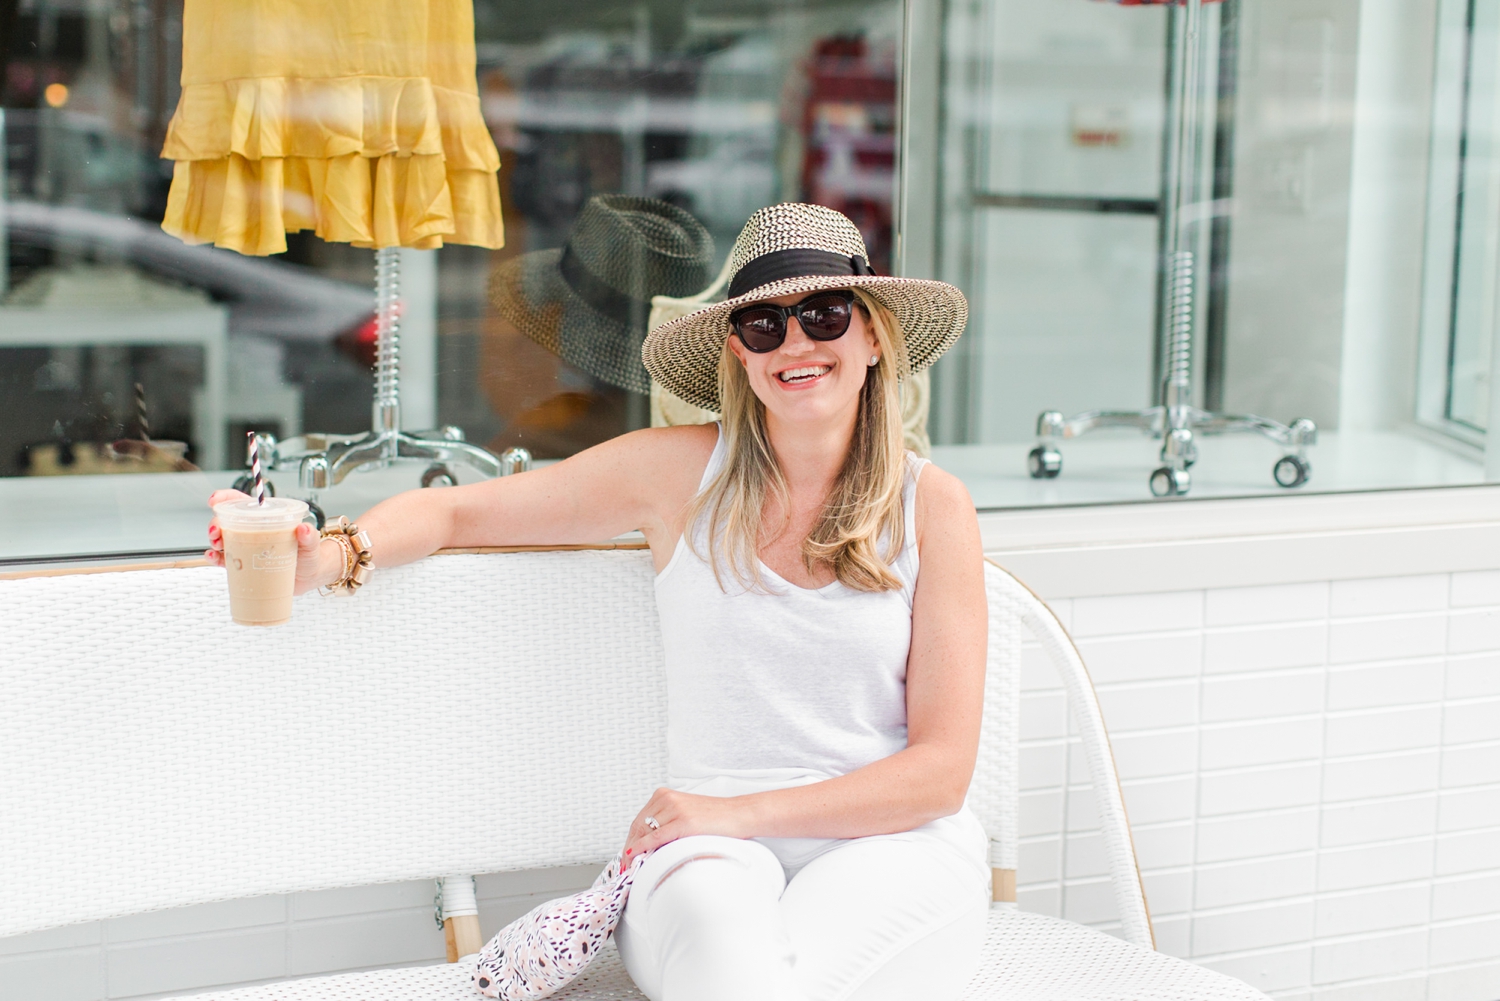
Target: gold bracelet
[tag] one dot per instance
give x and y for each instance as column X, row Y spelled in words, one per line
column 354, row 544
column 346, row 554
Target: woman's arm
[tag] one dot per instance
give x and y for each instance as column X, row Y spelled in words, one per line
column 944, row 701
column 640, row 481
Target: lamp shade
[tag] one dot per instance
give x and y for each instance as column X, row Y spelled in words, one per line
column 357, row 119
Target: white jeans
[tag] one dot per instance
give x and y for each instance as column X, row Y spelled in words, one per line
column 871, row 919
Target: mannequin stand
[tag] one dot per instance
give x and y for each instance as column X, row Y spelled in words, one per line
column 323, row 460
column 1174, row 420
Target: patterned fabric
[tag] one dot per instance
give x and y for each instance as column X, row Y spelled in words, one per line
column 551, row 945
column 683, row 354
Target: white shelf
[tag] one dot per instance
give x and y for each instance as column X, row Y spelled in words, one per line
column 1100, row 533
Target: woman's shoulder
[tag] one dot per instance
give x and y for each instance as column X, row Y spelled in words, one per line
column 671, row 459
column 942, row 499
column 683, row 443
column 681, row 435
column 947, row 533
column 652, row 472
column 651, row 457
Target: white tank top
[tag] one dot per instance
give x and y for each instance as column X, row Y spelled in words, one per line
column 772, row 690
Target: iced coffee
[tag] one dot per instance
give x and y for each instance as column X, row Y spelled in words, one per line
column 260, row 553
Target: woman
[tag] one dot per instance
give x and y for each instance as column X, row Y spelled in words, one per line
column 824, row 623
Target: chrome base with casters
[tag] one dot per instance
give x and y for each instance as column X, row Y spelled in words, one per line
column 1174, row 421
column 323, row 460
column 1177, row 429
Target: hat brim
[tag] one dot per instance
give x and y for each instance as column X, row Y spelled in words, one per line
column 529, row 291
column 683, row 354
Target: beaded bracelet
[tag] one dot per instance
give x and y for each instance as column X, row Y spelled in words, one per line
column 354, row 544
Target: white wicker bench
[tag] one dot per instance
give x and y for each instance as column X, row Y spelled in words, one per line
column 157, row 756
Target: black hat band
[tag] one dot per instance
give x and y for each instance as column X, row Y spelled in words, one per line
column 601, row 298
column 797, row 262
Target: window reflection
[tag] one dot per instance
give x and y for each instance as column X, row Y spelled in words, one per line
column 716, row 109
column 1325, row 131
column 1345, row 236
column 716, row 113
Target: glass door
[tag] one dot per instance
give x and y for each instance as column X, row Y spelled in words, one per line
column 1463, row 243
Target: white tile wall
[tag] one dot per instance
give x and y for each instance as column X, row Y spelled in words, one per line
column 1312, row 772
column 1313, row 777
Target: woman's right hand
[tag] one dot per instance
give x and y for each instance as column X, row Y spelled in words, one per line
column 317, row 565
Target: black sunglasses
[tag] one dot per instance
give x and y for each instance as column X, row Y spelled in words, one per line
column 823, row 316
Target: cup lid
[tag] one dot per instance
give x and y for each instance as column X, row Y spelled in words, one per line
column 274, row 512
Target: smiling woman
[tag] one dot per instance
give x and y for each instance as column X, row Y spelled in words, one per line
column 812, row 376
column 804, row 349
column 1329, row 254
column 807, row 378
column 800, row 532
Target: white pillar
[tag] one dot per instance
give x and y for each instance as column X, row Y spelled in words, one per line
column 1387, row 214
column 419, row 310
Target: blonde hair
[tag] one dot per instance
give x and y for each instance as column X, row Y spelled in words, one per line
column 863, row 507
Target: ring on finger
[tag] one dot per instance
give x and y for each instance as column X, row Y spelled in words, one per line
column 651, row 822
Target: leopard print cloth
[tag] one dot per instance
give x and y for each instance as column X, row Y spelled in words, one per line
column 550, row 946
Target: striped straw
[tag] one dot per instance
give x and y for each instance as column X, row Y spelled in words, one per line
column 257, row 479
column 140, row 412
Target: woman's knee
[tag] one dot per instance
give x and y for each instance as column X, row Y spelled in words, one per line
column 708, row 878
column 747, row 860
column 704, row 879
column 703, row 921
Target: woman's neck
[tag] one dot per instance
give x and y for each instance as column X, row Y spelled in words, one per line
column 811, row 455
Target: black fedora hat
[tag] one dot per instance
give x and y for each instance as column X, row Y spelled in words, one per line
column 589, row 302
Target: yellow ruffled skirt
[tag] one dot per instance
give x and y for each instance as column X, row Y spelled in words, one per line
column 372, row 160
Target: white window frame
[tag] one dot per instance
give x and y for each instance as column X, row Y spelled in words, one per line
column 1464, row 161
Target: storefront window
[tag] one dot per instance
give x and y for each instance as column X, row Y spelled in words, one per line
column 114, row 334
column 1275, row 222
column 1459, row 311
column 1340, row 213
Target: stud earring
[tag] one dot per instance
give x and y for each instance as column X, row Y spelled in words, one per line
column 874, row 360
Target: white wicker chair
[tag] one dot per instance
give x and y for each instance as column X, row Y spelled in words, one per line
column 158, row 756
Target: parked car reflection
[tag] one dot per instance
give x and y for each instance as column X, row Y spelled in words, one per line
column 204, row 332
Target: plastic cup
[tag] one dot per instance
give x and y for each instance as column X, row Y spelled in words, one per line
column 260, row 553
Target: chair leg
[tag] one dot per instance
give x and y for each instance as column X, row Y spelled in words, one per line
column 1003, row 886
column 459, row 912
column 462, row 936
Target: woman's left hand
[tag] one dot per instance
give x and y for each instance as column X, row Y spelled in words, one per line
column 679, row 814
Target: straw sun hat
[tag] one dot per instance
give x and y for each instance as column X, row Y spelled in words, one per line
column 789, row 249
column 589, row 302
